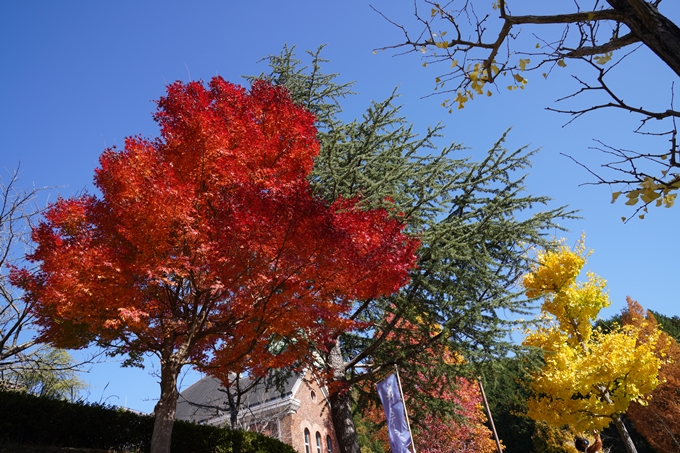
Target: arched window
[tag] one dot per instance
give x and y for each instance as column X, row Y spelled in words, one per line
column 318, row 442
column 329, row 444
column 308, row 447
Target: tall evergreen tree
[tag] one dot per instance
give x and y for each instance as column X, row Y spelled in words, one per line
column 474, row 220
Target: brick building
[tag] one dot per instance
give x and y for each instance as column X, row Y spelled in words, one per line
column 296, row 412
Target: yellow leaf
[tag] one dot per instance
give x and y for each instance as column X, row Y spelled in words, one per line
column 374, row 52
column 519, row 78
column 649, row 196
column 422, row 49
column 488, row 92
column 424, row 64
column 642, row 216
column 632, row 201
column 669, row 200
column 545, row 76
column 561, row 63
column 623, row 219
column 615, row 195
column 538, row 45
column 454, row 63
column 461, row 99
column 433, row 12
column 442, row 33
column 523, row 64
column 591, row 16
column 603, row 59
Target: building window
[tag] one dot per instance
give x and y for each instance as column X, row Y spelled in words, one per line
column 313, row 395
column 308, row 447
column 329, row 444
column 318, row 442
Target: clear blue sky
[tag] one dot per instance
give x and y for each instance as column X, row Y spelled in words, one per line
column 79, row 76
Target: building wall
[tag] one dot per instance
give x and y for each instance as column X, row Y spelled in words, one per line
column 314, row 415
column 286, row 430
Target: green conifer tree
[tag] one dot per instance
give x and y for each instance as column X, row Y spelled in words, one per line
column 474, row 220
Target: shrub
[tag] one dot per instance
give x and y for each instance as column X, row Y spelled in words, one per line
column 31, row 420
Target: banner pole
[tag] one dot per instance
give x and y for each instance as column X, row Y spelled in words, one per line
column 488, row 411
column 408, row 423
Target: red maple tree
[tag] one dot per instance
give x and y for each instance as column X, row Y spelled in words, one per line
column 207, row 245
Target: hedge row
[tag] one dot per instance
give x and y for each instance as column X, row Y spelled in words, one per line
column 32, row 420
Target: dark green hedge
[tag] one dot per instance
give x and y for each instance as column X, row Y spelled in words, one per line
column 32, row 420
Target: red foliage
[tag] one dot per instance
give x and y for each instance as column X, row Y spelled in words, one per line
column 659, row 420
column 434, row 430
column 444, row 434
column 437, row 433
column 207, row 243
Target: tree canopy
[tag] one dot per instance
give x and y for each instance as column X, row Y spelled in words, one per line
column 207, row 245
column 590, row 376
column 659, row 420
column 473, row 218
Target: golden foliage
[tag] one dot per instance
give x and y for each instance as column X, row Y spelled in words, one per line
column 548, row 439
column 589, row 376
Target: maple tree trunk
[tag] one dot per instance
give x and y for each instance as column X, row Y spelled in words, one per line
column 233, row 410
column 165, row 408
column 623, row 432
column 341, row 406
column 654, row 29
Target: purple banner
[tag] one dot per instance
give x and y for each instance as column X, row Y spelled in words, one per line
column 400, row 438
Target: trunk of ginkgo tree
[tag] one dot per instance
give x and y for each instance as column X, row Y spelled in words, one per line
column 658, row 32
column 618, row 421
column 623, row 432
column 341, row 406
column 166, row 407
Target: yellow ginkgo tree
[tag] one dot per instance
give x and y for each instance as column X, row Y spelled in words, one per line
column 590, row 376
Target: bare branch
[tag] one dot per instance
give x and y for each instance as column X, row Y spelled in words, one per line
column 481, row 44
column 610, row 46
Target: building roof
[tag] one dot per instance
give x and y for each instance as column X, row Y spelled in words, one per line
column 207, row 399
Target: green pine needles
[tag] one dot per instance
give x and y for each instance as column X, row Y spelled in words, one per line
column 475, row 221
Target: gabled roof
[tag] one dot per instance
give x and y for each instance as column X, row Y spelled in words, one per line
column 207, row 399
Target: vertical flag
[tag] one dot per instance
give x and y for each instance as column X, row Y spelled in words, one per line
column 390, row 396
